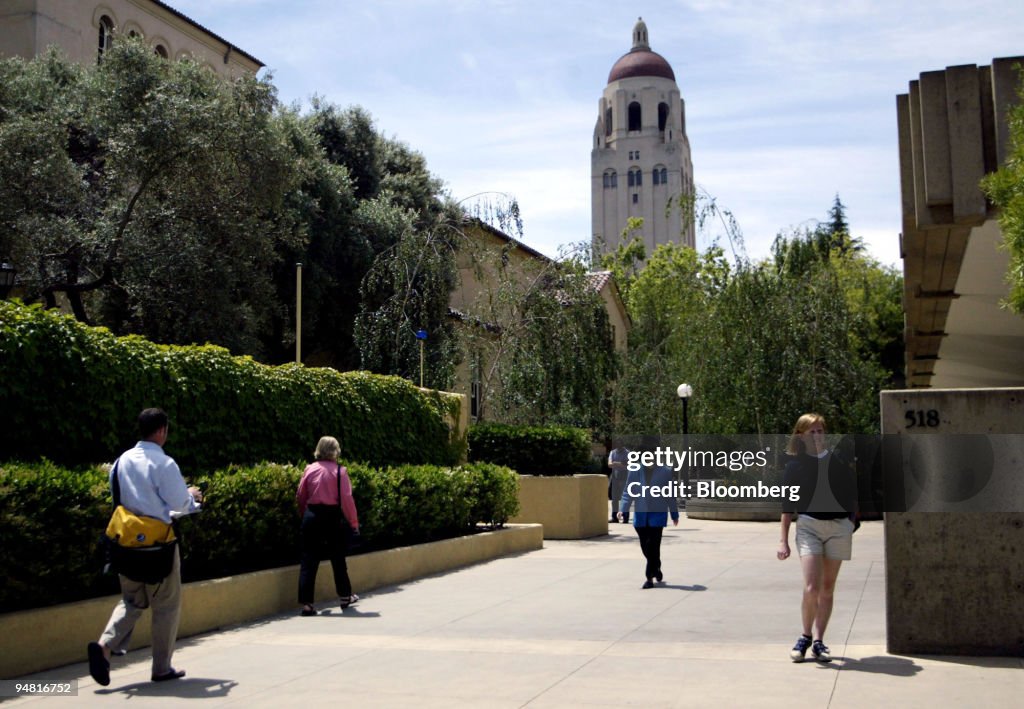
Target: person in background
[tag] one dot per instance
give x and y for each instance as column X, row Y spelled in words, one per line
column 651, row 514
column 617, row 460
column 329, row 519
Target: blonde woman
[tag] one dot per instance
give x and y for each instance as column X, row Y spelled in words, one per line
column 824, row 527
column 329, row 518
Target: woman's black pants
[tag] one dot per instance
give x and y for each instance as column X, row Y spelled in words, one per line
column 650, row 544
column 324, row 534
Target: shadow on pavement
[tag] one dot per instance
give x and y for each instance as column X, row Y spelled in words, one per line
column 892, row 666
column 186, row 687
column 349, row 613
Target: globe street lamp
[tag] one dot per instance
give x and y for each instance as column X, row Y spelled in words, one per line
column 684, row 392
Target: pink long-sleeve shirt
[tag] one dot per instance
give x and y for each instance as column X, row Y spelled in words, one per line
column 319, row 486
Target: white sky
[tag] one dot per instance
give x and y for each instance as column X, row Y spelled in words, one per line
column 788, row 103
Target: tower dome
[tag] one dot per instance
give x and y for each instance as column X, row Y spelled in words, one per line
column 640, row 60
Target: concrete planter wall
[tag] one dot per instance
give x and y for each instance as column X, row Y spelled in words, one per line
column 40, row 639
column 735, row 510
column 569, row 507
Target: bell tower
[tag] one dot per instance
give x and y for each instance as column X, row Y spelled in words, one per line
column 640, row 160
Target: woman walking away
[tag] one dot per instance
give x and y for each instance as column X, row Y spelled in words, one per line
column 329, row 518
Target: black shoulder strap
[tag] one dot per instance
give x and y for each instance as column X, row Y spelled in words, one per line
column 115, row 485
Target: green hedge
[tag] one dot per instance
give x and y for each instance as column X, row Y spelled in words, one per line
column 51, row 520
column 72, row 393
column 531, row 450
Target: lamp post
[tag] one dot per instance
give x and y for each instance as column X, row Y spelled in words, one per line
column 298, row 313
column 7, row 275
column 421, row 335
column 684, row 392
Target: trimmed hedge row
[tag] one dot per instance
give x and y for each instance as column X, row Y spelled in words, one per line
column 72, row 393
column 51, row 519
column 531, row 450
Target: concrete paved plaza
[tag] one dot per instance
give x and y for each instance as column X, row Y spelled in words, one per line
column 570, row 626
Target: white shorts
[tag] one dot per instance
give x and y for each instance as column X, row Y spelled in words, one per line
column 832, row 538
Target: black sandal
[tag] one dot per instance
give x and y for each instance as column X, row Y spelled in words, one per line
column 308, row 610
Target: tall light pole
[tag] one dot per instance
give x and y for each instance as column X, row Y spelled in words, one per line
column 298, row 313
column 421, row 335
column 684, row 392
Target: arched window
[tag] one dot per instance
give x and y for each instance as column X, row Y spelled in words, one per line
column 635, row 177
column 106, row 36
column 634, row 116
column 662, row 116
column 664, row 176
column 608, row 121
column 610, row 179
column 659, row 176
column 161, row 51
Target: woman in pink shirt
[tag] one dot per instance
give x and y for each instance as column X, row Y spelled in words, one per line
column 329, row 517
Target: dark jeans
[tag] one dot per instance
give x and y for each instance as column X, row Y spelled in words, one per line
column 650, row 544
column 324, row 533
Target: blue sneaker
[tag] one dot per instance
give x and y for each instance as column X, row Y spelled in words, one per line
column 821, row 652
column 800, row 649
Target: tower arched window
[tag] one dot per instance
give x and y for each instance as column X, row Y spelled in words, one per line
column 106, row 36
column 634, row 116
column 662, row 116
column 608, row 121
column 611, row 179
column 635, row 177
column 659, row 176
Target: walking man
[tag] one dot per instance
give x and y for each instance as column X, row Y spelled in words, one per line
column 148, row 483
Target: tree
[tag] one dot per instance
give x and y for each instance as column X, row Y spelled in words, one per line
column 761, row 343
column 1005, row 188
column 407, row 289
column 140, row 187
column 541, row 331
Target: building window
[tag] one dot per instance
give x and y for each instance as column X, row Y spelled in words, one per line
column 659, row 176
column 636, row 198
column 634, row 116
column 161, row 51
column 475, row 385
column 610, row 179
column 106, row 36
column 635, row 178
column 662, row 116
column 664, row 175
column 608, row 121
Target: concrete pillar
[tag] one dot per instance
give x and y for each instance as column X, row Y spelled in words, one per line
column 955, row 560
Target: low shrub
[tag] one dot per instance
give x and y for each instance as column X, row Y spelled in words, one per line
column 531, row 450
column 51, row 520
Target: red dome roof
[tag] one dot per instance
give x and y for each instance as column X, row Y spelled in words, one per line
column 641, row 62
